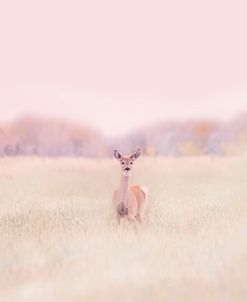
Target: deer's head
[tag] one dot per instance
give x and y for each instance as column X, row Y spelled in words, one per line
column 126, row 162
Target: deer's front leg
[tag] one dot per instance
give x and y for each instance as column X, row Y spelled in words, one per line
column 118, row 218
column 139, row 217
column 131, row 219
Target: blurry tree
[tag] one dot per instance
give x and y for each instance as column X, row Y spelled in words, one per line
column 188, row 148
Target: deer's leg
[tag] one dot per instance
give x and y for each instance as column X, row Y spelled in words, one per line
column 141, row 210
column 118, row 218
column 139, row 217
column 132, row 219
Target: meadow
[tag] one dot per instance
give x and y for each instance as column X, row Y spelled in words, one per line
column 59, row 239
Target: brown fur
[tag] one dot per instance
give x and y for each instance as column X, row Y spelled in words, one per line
column 129, row 201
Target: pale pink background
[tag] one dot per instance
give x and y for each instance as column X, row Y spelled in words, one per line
column 118, row 65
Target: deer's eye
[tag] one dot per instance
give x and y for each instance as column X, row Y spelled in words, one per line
column 122, row 162
column 131, row 162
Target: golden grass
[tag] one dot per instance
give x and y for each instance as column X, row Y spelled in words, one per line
column 59, row 240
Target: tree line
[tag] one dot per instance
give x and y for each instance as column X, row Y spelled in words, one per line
column 55, row 137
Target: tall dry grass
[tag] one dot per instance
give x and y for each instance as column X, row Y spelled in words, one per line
column 59, row 240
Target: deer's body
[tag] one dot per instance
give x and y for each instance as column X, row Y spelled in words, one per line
column 129, row 201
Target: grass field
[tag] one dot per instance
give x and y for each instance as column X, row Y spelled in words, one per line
column 59, row 240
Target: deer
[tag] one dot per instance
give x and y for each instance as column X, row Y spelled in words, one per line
column 129, row 201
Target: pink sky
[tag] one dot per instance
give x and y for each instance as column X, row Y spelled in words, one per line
column 134, row 62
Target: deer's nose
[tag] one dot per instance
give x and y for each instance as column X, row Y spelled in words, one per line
column 127, row 169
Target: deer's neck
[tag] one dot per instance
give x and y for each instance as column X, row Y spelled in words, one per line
column 124, row 189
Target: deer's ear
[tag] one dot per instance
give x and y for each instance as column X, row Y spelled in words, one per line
column 117, row 155
column 135, row 155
